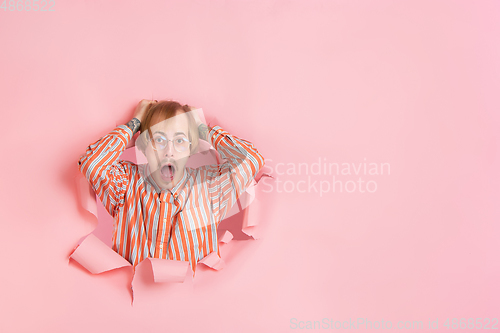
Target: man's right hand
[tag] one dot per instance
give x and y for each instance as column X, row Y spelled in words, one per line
column 142, row 108
column 140, row 112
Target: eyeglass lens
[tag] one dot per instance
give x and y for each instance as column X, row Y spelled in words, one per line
column 181, row 143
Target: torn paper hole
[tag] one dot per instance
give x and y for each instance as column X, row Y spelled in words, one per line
column 246, row 209
column 106, row 259
column 97, row 257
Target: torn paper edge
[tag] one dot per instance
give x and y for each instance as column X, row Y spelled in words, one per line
column 92, row 247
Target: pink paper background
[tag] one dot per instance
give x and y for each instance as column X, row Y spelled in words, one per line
column 411, row 83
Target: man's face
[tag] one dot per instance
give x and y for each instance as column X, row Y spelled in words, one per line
column 168, row 156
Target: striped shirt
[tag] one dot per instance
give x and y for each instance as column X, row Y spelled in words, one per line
column 176, row 224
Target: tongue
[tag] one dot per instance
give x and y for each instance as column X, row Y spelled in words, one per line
column 167, row 171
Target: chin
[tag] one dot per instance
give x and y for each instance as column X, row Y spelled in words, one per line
column 166, row 186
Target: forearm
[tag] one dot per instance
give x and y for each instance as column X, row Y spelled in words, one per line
column 240, row 154
column 231, row 178
column 107, row 175
column 105, row 151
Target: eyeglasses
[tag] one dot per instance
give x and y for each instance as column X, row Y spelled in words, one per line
column 181, row 143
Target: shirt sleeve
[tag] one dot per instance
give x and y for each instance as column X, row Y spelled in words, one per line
column 227, row 181
column 105, row 173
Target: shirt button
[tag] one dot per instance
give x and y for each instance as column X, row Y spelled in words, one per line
column 165, row 220
column 161, row 246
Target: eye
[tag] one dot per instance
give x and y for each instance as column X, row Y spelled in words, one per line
column 180, row 140
column 159, row 139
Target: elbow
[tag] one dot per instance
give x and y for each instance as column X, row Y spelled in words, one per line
column 261, row 163
column 82, row 164
column 258, row 163
column 85, row 165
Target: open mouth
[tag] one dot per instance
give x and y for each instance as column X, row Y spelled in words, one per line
column 167, row 172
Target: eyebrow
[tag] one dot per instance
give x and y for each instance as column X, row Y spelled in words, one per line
column 175, row 134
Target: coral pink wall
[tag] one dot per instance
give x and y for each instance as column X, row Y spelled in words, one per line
column 405, row 93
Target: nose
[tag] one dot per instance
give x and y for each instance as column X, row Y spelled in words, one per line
column 169, row 149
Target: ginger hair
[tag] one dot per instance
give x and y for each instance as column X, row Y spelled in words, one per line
column 164, row 110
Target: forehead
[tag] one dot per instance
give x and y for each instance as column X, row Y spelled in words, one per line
column 173, row 125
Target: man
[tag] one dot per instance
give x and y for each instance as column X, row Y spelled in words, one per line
column 164, row 209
